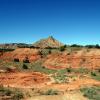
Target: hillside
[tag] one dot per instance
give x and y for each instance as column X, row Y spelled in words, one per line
column 55, row 59
column 81, row 58
column 12, row 45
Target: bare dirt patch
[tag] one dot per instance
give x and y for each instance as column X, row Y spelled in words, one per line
column 67, row 96
column 75, row 85
column 23, row 79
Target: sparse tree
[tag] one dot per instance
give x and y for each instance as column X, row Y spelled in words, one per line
column 62, row 48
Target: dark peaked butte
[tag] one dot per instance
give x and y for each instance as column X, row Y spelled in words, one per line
column 49, row 42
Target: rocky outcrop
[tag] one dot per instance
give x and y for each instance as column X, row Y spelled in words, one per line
column 49, row 42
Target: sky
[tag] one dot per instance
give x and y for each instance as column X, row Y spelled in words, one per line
column 69, row 21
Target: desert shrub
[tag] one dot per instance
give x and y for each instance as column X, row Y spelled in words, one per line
column 97, row 46
column 93, row 93
column 69, row 70
column 82, row 70
column 25, row 66
column 90, row 46
column 62, row 71
column 22, row 45
column 6, row 50
column 5, row 91
column 93, row 46
column 76, row 45
column 63, row 48
column 99, row 70
column 8, row 92
column 26, row 61
column 18, row 96
column 45, row 52
column 60, row 79
column 95, row 75
column 16, row 60
column 13, row 93
column 60, row 76
column 50, row 92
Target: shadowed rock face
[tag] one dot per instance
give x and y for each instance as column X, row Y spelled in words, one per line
column 48, row 42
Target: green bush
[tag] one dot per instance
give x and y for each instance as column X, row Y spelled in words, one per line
column 92, row 93
column 93, row 46
column 18, row 96
column 16, row 60
column 63, row 48
column 6, row 50
column 69, row 70
column 76, row 45
column 25, row 66
column 8, row 92
column 93, row 73
column 5, row 91
column 60, row 76
column 60, row 79
column 15, row 94
column 50, row 92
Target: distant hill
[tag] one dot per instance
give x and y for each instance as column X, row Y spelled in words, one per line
column 49, row 42
column 12, row 45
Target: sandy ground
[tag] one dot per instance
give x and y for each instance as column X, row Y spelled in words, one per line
column 66, row 96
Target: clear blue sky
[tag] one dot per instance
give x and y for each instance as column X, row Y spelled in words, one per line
column 70, row 21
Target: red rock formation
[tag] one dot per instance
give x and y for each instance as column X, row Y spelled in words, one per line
column 21, row 54
column 77, row 59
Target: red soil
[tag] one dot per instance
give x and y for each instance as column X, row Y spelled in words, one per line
column 77, row 59
column 23, row 79
column 82, row 58
column 22, row 54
